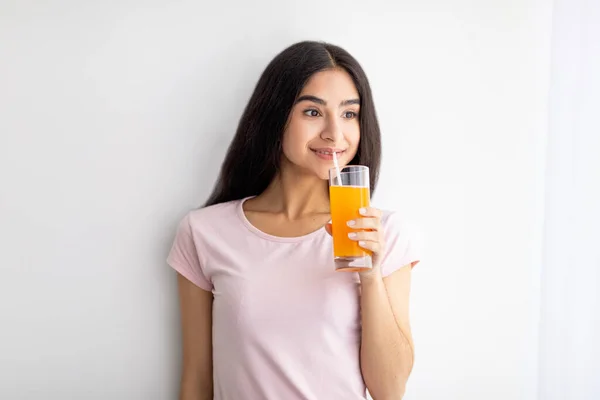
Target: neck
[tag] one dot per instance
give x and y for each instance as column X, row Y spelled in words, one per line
column 295, row 194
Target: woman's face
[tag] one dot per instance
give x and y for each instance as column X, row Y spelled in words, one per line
column 324, row 119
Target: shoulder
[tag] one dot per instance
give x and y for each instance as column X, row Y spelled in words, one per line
column 401, row 227
column 398, row 221
column 403, row 238
column 220, row 215
column 199, row 226
column 192, row 247
column 206, row 221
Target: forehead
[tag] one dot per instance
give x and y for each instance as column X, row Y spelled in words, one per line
column 331, row 84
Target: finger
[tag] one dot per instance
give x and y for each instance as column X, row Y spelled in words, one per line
column 365, row 235
column 329, row 228
column 375, row 247
column 370, row 212
column 365, row 223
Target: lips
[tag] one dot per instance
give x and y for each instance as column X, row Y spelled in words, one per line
column 327, row 153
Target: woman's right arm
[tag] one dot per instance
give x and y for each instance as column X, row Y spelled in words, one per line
column 196, row 325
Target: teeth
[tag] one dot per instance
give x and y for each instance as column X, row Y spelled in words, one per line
column 323, row 152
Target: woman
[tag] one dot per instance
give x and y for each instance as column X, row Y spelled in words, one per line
column 264, row 314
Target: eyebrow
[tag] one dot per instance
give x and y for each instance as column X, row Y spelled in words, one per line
column 322, row 102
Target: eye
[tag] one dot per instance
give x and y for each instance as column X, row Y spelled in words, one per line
column 312, row 112
column 350, row 114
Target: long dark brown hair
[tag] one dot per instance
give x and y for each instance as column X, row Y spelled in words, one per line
column 254, row 155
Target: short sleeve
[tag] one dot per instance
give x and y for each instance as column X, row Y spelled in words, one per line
column 403, row 243
column 184, row 257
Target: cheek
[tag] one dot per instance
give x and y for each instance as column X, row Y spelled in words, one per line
column 285, row 146
column 353, row 139
column 295, row 138
column 292, row 143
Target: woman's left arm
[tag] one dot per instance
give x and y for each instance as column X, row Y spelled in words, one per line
column 387, row 350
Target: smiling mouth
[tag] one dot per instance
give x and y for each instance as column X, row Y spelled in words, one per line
column 327, row 155
column 328, row 152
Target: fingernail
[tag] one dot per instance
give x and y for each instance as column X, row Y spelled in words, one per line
column 361, row 243
column 351, row 223
column 362, row 211
column 352, row 235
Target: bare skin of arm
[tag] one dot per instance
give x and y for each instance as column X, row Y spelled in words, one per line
column 387, row 350
column 196, row 325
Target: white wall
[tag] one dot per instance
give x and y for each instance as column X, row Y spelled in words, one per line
column 114, row 117
column 570, row 315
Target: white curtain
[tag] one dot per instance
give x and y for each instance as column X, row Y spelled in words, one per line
column 569, row 362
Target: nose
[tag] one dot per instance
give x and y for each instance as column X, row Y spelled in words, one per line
column 332, row 131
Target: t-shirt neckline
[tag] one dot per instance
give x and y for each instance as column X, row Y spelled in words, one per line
column 264, row 235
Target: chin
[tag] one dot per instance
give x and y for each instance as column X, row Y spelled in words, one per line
column 323, row 173
column 324, row 176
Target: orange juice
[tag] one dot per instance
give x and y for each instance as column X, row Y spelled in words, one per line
column 345, row 201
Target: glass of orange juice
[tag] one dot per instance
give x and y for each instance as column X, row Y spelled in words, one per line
column 349, row 190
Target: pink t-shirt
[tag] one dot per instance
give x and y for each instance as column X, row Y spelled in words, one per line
column 285, row 324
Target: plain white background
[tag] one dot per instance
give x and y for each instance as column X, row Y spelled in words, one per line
column 115, row 116
column 570, row 316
